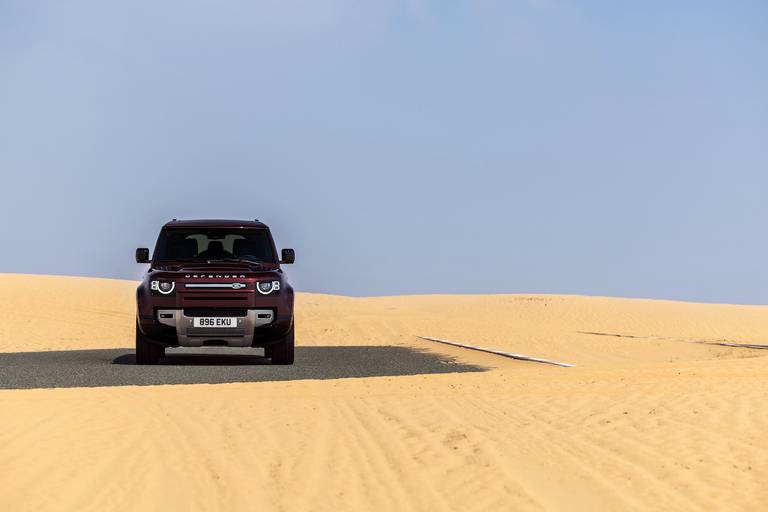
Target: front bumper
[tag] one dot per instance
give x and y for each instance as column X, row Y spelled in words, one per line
column 258, row 328
column 240, row 335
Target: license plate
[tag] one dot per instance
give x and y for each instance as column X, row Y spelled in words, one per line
column 214, row 321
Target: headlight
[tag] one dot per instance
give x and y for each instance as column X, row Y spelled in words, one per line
column 162, row 287
column 267, row 287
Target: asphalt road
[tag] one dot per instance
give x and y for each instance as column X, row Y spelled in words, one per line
column 116, row 367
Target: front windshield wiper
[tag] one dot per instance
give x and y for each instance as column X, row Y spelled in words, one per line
column 234, row 260
column 211, row 260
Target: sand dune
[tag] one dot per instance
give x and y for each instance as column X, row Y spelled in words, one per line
column 644, row 421
column 61, row 313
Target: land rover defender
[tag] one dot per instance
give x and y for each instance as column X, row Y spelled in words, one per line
column 214, row 283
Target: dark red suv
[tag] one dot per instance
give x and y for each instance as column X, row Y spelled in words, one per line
column 214, row 283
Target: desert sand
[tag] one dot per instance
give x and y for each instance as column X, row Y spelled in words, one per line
column 649, row 418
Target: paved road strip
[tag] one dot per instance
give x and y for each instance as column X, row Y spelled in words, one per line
column 214, row 365
column 521, row 357
column 722, row 343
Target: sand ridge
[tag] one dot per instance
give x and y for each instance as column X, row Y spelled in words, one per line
column 648, row 422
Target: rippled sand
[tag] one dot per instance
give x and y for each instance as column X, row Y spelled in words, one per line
column 650, row 417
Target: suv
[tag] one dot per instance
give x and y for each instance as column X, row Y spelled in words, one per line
column 214, row 283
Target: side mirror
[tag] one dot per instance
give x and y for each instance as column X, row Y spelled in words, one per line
column 142, row 255
column 288, row 256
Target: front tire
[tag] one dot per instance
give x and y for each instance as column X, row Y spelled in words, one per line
column 282, row 352
column 146, row 351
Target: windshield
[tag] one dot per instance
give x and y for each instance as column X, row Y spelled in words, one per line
column 204, row 244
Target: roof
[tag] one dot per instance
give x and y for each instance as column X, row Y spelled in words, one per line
column 214, row 223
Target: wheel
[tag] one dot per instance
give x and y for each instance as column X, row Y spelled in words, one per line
column 282, row 352
column 146, row 351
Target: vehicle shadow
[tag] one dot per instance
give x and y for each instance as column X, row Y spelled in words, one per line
column 180, row 357
column 116, row 367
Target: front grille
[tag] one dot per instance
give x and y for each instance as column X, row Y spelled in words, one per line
column 223, row 297
column 216, row 333
column 221, row 312
column 203, row 332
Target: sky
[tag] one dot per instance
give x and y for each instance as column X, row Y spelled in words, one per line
column 401, row 147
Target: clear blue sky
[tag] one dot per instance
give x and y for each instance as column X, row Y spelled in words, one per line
column 607, row 148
